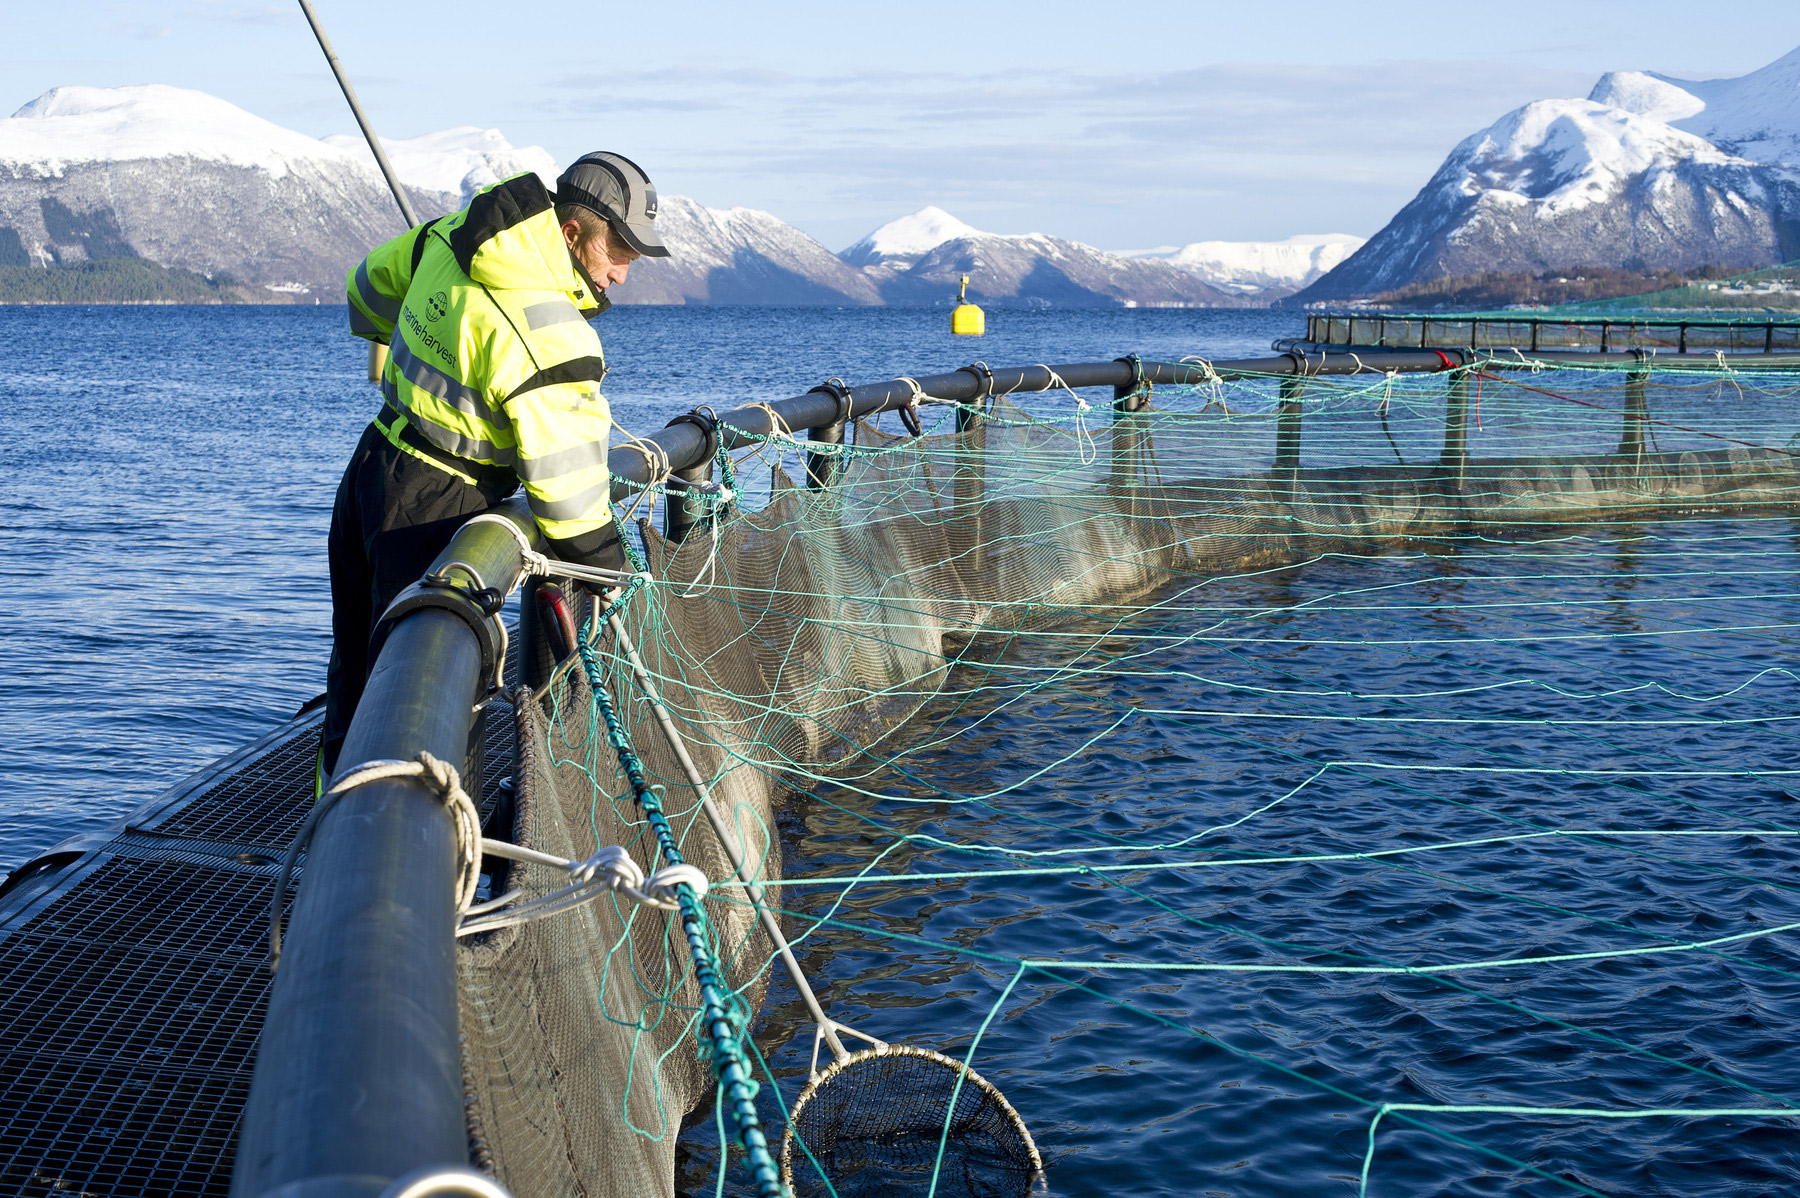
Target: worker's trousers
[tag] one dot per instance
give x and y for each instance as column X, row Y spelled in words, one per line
column 393, row 515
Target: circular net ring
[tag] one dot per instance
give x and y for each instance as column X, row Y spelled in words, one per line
column 874, row 1121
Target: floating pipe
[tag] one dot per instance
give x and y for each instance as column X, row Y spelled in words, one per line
column 359, row 1075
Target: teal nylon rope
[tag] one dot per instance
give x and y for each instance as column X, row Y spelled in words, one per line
column 722, row 1017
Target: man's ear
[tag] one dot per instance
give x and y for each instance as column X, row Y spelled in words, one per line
column 571, row 231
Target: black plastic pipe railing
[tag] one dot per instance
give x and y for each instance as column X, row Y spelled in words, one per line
column 359, row 1075
column 686, row 445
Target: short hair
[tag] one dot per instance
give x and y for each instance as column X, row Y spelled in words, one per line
column 590, row 225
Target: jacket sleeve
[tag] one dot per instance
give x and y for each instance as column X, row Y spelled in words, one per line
column 562, row 422
column 376, row 285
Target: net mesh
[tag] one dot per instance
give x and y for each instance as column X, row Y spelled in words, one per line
column 898, row 1119
column 834, row 635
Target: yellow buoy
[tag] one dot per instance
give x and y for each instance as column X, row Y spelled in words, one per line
column 966, row 319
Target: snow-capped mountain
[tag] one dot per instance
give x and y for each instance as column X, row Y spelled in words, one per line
column 739, row 256
column 1754, row 116
column 188, row 180
column 1647, row 173
column 897, row 245
column 920, row 259
column 458, row 162
column 1264, row 269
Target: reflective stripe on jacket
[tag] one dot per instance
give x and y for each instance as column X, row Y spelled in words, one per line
column 495, row 366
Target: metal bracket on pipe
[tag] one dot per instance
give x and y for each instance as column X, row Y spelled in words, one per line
column 983, row 375
column 839, row 390
column 478, row 606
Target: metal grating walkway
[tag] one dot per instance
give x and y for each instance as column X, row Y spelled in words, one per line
column 132, row 979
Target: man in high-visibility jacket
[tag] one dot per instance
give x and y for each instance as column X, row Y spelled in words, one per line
column 493, row 380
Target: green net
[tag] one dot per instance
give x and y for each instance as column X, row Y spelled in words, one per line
column 824, row 650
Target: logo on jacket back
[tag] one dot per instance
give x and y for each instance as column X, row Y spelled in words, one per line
column 437, row 305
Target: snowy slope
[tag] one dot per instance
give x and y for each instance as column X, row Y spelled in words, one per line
column 920, row 259
column 1647, row 173
column 189, row 180
column 1260, row 267
column 739, row 256
column 1755, row 116
column 900, row 243
column 458, row 161
column 71, row 126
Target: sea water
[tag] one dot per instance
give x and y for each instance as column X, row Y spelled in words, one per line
column 169, row 481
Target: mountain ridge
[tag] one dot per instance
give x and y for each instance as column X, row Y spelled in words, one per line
column 1628, row 178
column 191, row 182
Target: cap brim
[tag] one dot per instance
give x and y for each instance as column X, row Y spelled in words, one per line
column 641, row 238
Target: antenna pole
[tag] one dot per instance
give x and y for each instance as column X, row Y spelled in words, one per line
column 381, row 160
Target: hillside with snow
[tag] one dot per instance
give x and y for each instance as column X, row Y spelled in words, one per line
column 1260, row 269
column 921, row 258
column 187, row 180
column 1647, row 173
column 739, row 256
column 899, row 244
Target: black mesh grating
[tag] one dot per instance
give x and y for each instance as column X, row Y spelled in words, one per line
column 115, row 1129
column 129, row 1010
column 165, row 906
column 263, row 803
column 105, row 1003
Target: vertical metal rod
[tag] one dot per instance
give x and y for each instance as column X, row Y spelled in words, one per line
column 1287, row 426
column 679, row 515
column 1126, row 399
column 1637, row 414
column 821, row 468
column 381, row 158
column 1456, row 423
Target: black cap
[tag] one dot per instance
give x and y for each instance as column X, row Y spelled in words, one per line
column 615, row 187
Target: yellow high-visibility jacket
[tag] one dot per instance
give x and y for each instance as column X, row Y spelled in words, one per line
column 495, row 370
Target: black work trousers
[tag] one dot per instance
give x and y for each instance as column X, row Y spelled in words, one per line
column 393, row 515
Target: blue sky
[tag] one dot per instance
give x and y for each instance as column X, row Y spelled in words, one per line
column 1122, row 125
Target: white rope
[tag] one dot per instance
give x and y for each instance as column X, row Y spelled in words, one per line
column 708, row 574
column 1082, row 407
column 1212, row 381
column 609, row 871
column 441, row 779
column 533, row 564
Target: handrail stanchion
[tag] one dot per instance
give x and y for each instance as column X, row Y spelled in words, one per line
column 1287, row 428
column 1128, row 400
column 1637, row 413
column 1456, row 424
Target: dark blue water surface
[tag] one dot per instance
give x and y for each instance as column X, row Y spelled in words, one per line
column 166, row 497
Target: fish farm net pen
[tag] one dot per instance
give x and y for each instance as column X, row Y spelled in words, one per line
column 1370, row 774
column 828, row 654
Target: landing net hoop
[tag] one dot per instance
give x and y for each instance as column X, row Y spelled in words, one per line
column 874, row 1120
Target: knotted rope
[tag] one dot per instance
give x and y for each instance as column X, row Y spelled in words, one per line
column 439, row 777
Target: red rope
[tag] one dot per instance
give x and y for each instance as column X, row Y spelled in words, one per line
column 1590, row 404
